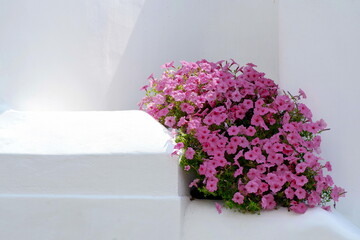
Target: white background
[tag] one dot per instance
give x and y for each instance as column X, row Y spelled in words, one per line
column 96, row 54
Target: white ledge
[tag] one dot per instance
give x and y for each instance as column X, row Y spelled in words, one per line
column 82, row 133
column 202, row 221
column 96, row 153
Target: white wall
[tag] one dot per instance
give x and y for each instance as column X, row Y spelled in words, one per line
column 96, row 54
column 62, row 55
column 319, row 52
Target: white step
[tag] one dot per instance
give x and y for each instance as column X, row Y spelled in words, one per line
column 88, row 175
column 87, row 217
column 125, row 152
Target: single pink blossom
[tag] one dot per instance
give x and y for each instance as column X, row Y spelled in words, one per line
column 328, row 180
column 301, row 180
column 337, row 192
column 268, row 202
column 250, row 155
column 252, row 186
column 211, row 184
column 179, row 145
column 194, row 183
column 170, row 121
column 289, row 192
column 168, row 65
column 231, row 148
column 248, row 103
column 275, row 187
column 233, row 130
column 302, row 93
column 257, row 120
column 238, row 171
column 162, row 112
column 300, row 168
column 300, row 193
column 263, row 187
column 253, row 174
column 314, row 199
column 299, row 208
column 326, row 208
column 328, row 166
column 182, row 121
column 238, row 198
column 218, row 207
column 189, row 154
column 305, row 110
column 250, row 131
column 236, row 96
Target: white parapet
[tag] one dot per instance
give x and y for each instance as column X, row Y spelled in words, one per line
column 88, row 175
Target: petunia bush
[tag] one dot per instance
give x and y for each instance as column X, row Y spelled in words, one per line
column 246, row 141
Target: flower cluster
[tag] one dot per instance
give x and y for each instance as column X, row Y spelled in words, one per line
column 246, row 142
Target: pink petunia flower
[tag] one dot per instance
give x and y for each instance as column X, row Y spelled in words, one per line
column 300, row 193
column 168, row 65
column 305, row 110
column 275, row 187
column 302, row 93
column 170, row 121
column 250, row 131
column 238, row 171
column 233, row 130
column 211, row 184
column 289, row 193
column 189, row 154
column 182, row 121
column 337, row 192
column 252, row 186
column 186, row 107
column 314, row 199
column 300, row 168
column 257, row 120
column 194, row 183
column 299, row 208
column 268, row 202
column 238, row 198
column 218, row 208
column 328, row 166
column 250, row 155
column 301, row 180
column 326, row 208
column 263, row 187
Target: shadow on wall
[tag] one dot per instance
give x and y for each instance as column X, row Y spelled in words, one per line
column 193, row 30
